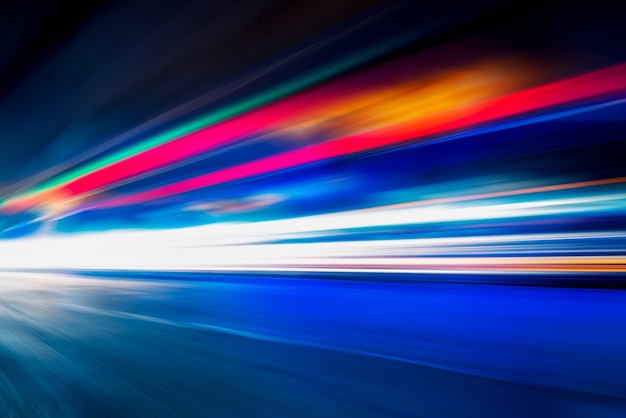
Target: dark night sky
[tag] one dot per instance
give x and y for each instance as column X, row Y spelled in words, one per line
column 72, row 77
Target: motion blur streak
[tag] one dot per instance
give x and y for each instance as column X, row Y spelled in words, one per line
column 218, row 247
column 411, row 120
column 411, row 100
column 312, row 208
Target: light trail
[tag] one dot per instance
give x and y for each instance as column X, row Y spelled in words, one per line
column 612, row 80
column 436, row 114
column 264, row 246
column 41, row 192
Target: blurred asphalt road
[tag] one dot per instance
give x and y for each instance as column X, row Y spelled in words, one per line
column 245, row 346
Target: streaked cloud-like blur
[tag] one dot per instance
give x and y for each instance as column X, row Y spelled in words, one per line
column 312, row 208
